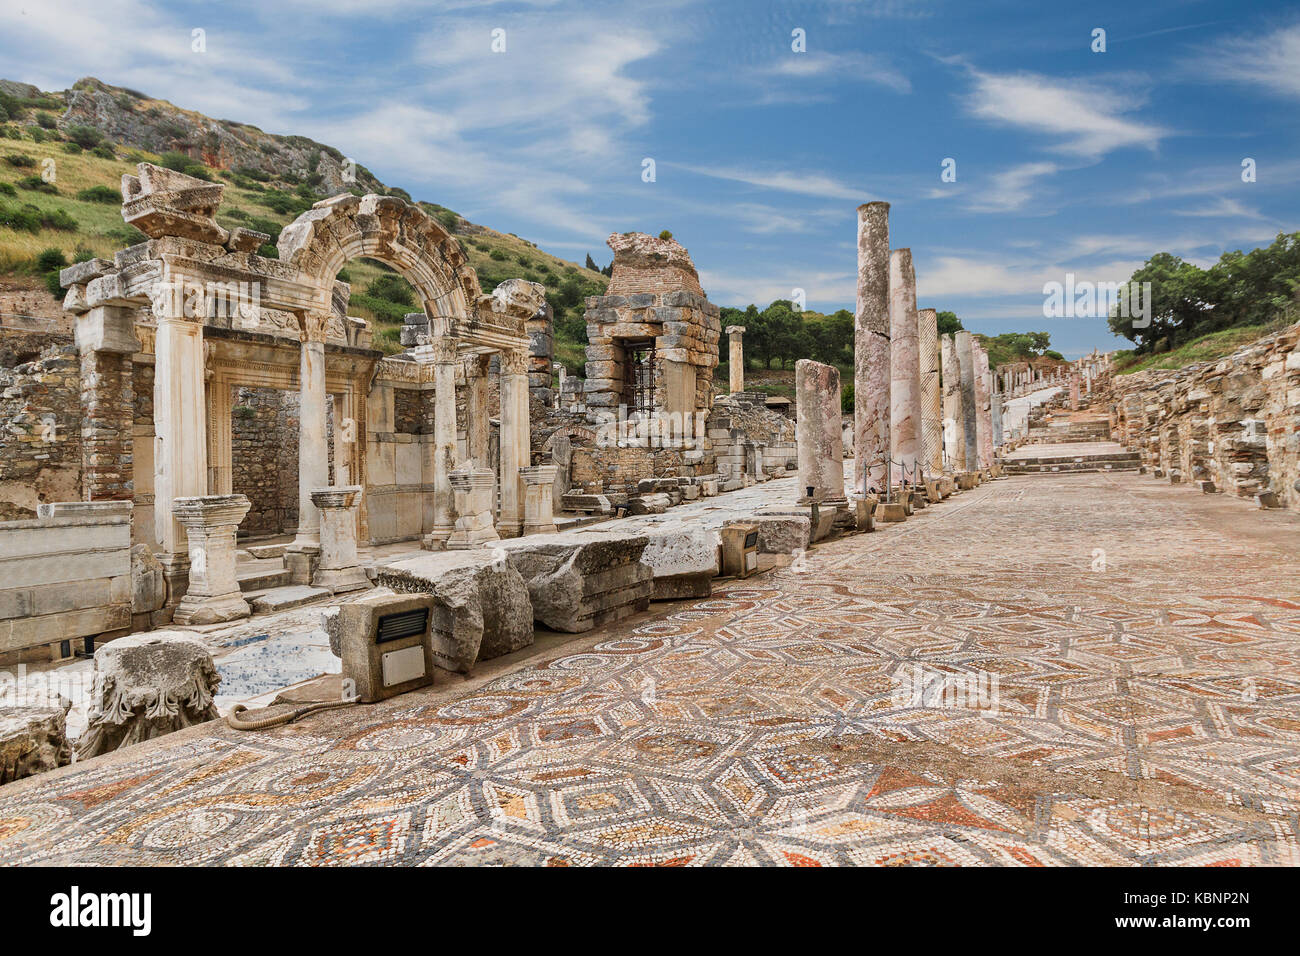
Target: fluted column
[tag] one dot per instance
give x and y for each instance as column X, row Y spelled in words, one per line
column 954, row 415
column 871, row 372
column 927, row 321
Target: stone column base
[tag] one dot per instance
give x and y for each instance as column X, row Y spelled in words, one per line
column 212, row 610
column 891, row 511
column 301, row 562
column 340, row 580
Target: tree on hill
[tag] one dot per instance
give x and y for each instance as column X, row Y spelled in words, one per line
column 1186, row 302
column 948, row 323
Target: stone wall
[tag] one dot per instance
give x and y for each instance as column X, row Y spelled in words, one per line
column 1235, row 422
column 65, row 575
column 264, row 458
column 40, row 422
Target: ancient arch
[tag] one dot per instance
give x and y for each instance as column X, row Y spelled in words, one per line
column 324, row 238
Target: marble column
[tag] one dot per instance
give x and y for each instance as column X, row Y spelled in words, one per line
column 969, row 406
column 515, row 453
column 1074, row 392
column 818, row 437
column 477, row 421
column 339, row 569
column 954, row 416
column 313, row 443
column 927, row 335
column 539, row 503
column 473, row 488
column 983, row 405
column 563, row 373
column 180, row 433
column 213, row 593
column 736, row 357
column 871, row 369
column 443, row 354
column 998, row 437
column 905, row 367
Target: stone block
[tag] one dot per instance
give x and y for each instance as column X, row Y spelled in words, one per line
column 481, row 603
column 583, row 579
column 33, row 738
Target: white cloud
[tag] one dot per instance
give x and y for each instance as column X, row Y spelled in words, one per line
column 1086, row 119
column 1011, row 189
column 1270, row 60
column 840, row 68
column 791, row 181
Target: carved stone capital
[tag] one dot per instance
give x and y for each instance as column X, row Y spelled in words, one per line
column 313, row 326
column 514, row 363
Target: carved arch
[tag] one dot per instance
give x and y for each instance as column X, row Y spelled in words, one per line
column 334, row 231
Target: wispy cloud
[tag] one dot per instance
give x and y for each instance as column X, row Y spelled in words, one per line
column 804, row 183
column 1010, row 190
column 1084, row 118
column 841, row 68
column 1269, row 60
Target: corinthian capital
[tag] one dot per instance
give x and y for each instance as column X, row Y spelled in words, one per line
column 313, row 326
column 514, row 363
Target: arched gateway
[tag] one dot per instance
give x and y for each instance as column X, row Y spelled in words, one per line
column 198, row 305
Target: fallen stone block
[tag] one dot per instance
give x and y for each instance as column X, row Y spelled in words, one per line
column 587, row 504
column 481, row 604
column 655, row 504
column 583, row 579
column 33, row 738
column 782, row 533
column 891, row 511
column 284, row 598
column 683, row 558
column 146, row 686
column 1268, row 499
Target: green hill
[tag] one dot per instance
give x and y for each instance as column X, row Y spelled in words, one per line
column 62, row 157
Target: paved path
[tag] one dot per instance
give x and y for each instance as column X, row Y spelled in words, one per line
column 1123, row 673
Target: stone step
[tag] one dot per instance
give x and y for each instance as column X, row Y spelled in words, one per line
column 1021, row 468
column 262, row 580
column 284, row 598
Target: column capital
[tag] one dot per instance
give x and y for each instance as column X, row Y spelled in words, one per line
column 313, row 326
column 735, row 330
column 443, row 351
column 514, row 363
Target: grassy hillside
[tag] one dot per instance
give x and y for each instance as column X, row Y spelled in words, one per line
column 60, row 202
column 1206, row 348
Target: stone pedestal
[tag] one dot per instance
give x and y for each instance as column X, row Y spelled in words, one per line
column 210, row 522
column 339, row 570
column 736, row 357
column 473, row 489
column 539, row 502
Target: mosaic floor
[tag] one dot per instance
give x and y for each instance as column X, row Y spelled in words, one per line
column 1094, row 669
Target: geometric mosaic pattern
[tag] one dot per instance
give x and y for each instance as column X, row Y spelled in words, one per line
column 1130, row 677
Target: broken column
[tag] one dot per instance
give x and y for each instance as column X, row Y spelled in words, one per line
column 146, row 686
column 1074, row 392
column 927, row 321
column 339, row 569
column 871, row 369
column 983, row 418
column 954, row 416
column 33, row 737
column 969, row 401
column 736, row 357
column 817, row 430
column 313, row 445
column 210, row 522
column 905, row 367
column 539, row 500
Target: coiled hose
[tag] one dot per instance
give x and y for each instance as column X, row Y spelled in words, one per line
column 232, row 718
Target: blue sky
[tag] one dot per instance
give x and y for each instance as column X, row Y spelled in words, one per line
column 1067, row 161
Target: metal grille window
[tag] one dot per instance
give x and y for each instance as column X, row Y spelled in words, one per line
column 639, row 375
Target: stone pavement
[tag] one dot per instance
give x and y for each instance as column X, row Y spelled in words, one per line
column 1117, row 663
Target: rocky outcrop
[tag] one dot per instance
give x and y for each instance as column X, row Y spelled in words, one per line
column 481, row 604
